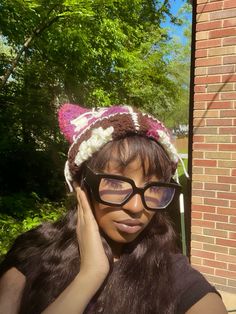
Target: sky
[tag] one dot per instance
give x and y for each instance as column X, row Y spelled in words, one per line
column 174, row 29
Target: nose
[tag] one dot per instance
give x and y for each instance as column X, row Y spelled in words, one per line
column 134, row 205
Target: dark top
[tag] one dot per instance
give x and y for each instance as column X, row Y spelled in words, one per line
column 190, row 284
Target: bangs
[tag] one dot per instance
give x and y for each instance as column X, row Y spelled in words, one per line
column 153, row 159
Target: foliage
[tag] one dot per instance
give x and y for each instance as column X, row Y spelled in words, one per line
column 20, row 213
column 91, row 52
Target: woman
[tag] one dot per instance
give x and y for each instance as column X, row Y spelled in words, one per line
column 115, row 252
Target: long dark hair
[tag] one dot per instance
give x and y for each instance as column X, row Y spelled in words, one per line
column 139, row 282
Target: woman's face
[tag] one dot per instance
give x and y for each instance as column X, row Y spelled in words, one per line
column 123, row 224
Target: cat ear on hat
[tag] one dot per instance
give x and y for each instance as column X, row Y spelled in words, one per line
column 68, row 113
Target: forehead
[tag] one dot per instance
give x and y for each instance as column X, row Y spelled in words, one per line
column 133, row 168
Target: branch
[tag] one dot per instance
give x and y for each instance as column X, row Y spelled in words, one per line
column 26, row 44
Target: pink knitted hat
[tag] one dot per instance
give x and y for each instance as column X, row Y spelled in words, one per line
column 89, row 129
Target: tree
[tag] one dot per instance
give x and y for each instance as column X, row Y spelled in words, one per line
column 89, row 52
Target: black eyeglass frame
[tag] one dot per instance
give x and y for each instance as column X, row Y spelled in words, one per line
column 92, row 180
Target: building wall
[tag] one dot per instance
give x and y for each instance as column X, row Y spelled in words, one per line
column 213, row 222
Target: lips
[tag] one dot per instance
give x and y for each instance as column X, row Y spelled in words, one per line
column 129, row 225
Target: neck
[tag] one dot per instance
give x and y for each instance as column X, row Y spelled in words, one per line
column 116, row 248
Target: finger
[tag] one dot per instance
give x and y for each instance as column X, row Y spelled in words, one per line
column 85, row 204
column 80, row 211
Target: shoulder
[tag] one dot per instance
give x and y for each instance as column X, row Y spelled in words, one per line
column 190, row 285
column 26, row 249
column 212, row 302
column 12, row 284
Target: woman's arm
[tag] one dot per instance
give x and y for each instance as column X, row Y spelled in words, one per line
column 94, row 265
column 211, row 303
column 11, row 287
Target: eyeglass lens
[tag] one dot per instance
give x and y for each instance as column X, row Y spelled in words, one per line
column 116, row 191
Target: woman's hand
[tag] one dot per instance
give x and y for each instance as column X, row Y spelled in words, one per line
column 93, row 258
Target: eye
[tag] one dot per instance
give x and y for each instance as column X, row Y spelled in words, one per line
column 154, row 189
column 113, row 183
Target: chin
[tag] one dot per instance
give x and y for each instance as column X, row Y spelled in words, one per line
column 123, row 237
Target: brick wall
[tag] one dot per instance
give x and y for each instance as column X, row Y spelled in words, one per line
column 213, row 222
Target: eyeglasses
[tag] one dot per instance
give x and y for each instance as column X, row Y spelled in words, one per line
column 115, row 190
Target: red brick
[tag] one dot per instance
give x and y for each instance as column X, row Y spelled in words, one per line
column 227, row 147
column 227, row 130
column 226, row 242
column 226, row 211
column 222, row 33
column 232, row 235
column 196, row 215
column 208, row 61
column 225, row 273
column 208, row 43
column 225, row 258
column 220, row 105
column 204, row 269
column 229, row 60
column 216, row 187
column 233, row 172
column 200, row 89
column 216, row 202
column 229, row 78
column 203, row 208
column 225, row 226
column 201, row 53
column 215, row 264
column 229, row 180
column 221, row 69
column 208, row 79
column 198, row 122
column 232, row 220
column 232, row 267
column 205, row 147
column 208, row 25
column 228, row 4
column 212, row 96
column 229, row 41
column 228, row 196
column 218, row 15
column 231, row 95
column 199, row 106
column 229, row 23
column 202, row 223
column 197, row 185
column 215, row 6
column 204, row 163
column 203, row 254
column 227, row 113
column 210, row 194
column 220, row 122
column 215, row 217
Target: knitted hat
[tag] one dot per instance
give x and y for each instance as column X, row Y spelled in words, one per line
column 88, row 130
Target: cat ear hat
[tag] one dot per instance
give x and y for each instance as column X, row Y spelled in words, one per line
column 88, row 130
